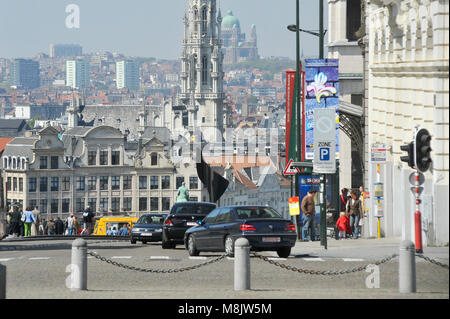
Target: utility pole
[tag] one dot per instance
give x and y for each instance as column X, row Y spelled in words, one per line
column 321, row 33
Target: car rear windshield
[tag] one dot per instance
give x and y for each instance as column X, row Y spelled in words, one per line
column 157, row 220
column 193, row 209
column 257, row 212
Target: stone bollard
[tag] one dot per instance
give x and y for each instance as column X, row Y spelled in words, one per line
column 407, row 267
column 2, row 282
column 79, row 265
column 241, row 264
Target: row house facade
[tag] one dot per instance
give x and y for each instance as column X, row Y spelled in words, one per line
column 96, row 167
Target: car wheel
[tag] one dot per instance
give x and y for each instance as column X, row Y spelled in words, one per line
column 133, row 241
column 144, row 242
column 166, row 244
column 229, row 246
column 284, row 252
column 192, row 249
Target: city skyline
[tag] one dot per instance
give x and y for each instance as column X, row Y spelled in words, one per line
column 111, row 26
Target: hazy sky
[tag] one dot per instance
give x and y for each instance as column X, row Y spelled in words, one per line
column 147, row 28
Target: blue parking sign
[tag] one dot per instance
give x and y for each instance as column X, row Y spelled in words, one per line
column 324, row 154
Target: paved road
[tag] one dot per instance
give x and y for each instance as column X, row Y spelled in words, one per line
column 40, row 272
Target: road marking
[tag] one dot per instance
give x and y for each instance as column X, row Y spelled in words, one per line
column 121, row 257
column 198, row 257
column 159, row 257
column 39, row 258
column 312, row 259
column 352, row 259
column 6, row 259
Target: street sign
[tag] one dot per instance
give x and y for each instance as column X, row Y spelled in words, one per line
column 324, row 141
column 294, row 206
column 378, row 153
column 412, row 180
column 291, row 170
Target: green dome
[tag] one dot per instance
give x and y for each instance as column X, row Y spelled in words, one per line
column 229, row 21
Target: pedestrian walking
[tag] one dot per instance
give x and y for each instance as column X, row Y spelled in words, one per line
column 354, row 208
column 70, row 229
column 50, row 227
column 76, row 226
column 15, row 221
column 44, row 226
column 21, row 224
column 35, row 226
column 28, row 219
column 59, row 225
column 309, row 212
column 343, row 225
column 88, row 217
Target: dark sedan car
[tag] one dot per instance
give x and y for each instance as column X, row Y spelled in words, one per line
column 148, row 228
column 183, row 216
column 263, row 226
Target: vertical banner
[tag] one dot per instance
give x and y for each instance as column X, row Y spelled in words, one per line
column 290, row 85
column 322, row 91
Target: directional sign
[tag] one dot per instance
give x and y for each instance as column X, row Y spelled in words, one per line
column 324, row 141
column 291, row 170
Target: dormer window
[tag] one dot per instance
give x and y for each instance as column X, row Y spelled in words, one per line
column 43, row 162
column 154, row 159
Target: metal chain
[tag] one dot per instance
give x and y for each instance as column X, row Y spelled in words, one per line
column 157, row 271
column 432, row 261
column 324, row 272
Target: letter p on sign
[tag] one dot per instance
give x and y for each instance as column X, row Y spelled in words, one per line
column 324, row 154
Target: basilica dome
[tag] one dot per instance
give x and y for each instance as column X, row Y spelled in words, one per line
column 229, row 21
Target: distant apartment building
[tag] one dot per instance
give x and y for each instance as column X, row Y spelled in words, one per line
column 25, row 74
column 264, row 91
column 77, row 74
column 127, row 75
column 61, row 50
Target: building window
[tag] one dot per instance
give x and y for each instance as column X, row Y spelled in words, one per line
column 165, row 182
column 115, row 158
column 179, row 181
column 103, row 157
column 65, row 205
column 32, row 184
column 15, row 184
column 43, row 183
column 115, row 182
column 103, row 204
column 154, row 204
column 20, row 184
column 92, row 158
column 79, row 205
column 104, row 183
column 165, row 203
column 205, row 70
column 154, row 159
column 65, row 184
column 80, row 185
column 92, row 203
column 193, row 183
column 143, row 204
column 92, row 183
column 8, row 184
column 142, row 182
column 43, row 162
column 43, row 206
column 115, row 204
column 54, row 184
column 54, row 206
column 54, row 162
column 353, row 19
column 127, row 204
column 32, row 203
column 154, row 182
column 127, row 182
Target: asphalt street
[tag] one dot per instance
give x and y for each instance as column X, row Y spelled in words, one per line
column 40, row 272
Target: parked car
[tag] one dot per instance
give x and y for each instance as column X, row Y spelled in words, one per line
column 264, row 227
column 148, row 228
column 183, row 216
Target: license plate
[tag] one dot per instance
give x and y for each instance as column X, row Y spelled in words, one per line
column 271, row 239
column 191, row 224
column 146, row 234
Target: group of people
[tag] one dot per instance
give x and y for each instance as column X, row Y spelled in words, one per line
column 124, row 231
column 29, row 223
column 351, row 213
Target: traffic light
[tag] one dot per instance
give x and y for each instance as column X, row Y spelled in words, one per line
column 422, row 150
column 409, row 148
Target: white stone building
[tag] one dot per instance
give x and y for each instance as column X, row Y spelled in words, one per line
column 407, row 66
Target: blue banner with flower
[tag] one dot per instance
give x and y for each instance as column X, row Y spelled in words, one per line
column 322, row 91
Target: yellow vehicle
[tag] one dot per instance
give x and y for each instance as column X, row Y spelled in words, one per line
column 102, row 225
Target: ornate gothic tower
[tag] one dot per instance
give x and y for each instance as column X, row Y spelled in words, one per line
column 202, row 71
